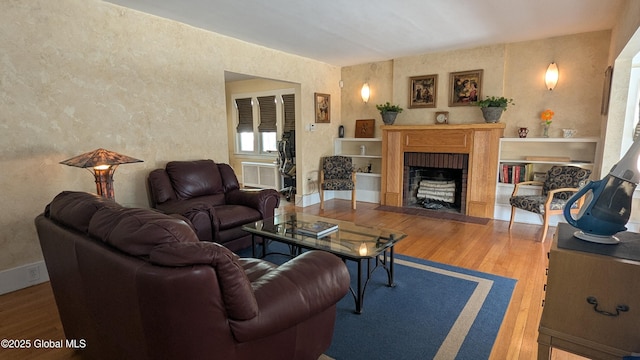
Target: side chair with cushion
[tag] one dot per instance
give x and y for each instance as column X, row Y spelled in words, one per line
column 337, row 174
column 561, row 183
column 209, row 196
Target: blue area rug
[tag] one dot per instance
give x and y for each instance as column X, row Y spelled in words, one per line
column 435, row 311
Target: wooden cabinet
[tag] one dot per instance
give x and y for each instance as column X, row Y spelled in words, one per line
column 550, row 151
column 577, row 280
column 366, row 154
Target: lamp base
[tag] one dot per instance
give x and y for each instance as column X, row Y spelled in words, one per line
column 104, row 182
column 599, row 239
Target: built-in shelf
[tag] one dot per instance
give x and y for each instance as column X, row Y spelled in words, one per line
column 367, row 183
column 581, row 152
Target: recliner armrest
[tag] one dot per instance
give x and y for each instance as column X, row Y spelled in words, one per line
column 265, row 200
column 294, row 292
column 201, row 215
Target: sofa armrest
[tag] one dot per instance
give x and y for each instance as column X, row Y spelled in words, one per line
column 265, row 200
column 201, row 215
column 294, row 292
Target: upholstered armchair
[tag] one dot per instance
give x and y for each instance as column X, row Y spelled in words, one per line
column 337, row 173
column 138, row 284
column 209, row 196
column 560, row 184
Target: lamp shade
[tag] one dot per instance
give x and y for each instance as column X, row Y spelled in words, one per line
column 102, row 163
column 99, row 157
column 551, row 76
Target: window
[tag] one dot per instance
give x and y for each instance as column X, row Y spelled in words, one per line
column 268, row 121
column 244, row 108
column 261, row 118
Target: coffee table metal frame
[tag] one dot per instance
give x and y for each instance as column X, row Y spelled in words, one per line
column 349, row 242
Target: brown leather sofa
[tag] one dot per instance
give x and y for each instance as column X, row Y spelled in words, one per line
column 209, row 195
column 138, row 284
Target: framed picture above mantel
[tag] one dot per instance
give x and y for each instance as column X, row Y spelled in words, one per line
column 423, row 91
column 465, row 87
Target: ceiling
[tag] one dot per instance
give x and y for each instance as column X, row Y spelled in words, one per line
column 349, row 32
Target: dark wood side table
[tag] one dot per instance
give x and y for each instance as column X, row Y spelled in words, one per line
column 592, row 302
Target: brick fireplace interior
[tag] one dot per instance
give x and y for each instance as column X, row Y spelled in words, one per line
column 435, row 181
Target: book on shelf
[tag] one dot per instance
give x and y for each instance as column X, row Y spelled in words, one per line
column 316, row 228
column 514, row 173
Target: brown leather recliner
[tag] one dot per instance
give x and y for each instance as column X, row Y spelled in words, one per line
column 209, row 195
column 138, row 284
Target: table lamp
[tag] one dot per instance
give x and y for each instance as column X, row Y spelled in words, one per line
column 102, row 164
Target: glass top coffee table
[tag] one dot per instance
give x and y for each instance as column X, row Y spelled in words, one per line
column 349, row 242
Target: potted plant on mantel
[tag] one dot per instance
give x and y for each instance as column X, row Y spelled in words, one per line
column 492, row 107
column 388, row 112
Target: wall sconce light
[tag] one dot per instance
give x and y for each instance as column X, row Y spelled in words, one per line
column 365, row 92
column 551, row 77
column 102, row 164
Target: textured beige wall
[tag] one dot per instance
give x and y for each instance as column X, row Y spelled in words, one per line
column 77, row 75
column 490, row 59
column 379, row 75
column 576, row 100
column 515, row 70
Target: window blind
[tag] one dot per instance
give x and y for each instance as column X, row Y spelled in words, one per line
column 245, row 115
column 267, row 106
column 289, row 112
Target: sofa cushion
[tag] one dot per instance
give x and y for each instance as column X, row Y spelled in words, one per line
column 194, row 178
column 138, row 231
column 75, row 209
column 239, row 299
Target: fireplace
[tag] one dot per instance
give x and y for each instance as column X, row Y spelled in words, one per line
column 436, row 181
column 465, row 154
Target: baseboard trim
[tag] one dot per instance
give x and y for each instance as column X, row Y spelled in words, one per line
column 23, row 276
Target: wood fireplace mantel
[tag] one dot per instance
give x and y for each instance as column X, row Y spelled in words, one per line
column 480, row 141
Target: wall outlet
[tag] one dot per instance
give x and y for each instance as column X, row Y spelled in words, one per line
column 33, row 273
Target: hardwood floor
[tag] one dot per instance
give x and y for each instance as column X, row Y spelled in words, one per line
column 31, row 313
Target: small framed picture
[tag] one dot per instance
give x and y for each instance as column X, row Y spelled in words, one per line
column 365, row 128
column 465, row 87
column 323, row 107
column 423, row 91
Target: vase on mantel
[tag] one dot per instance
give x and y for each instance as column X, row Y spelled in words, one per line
column 388, row 117
column 545, row 130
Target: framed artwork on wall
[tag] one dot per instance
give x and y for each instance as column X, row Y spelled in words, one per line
column 365, row 128
column 323, row 107
column 465, row 87
column 423, row 91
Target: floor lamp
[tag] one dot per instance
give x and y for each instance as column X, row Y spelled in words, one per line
column 102, row 164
